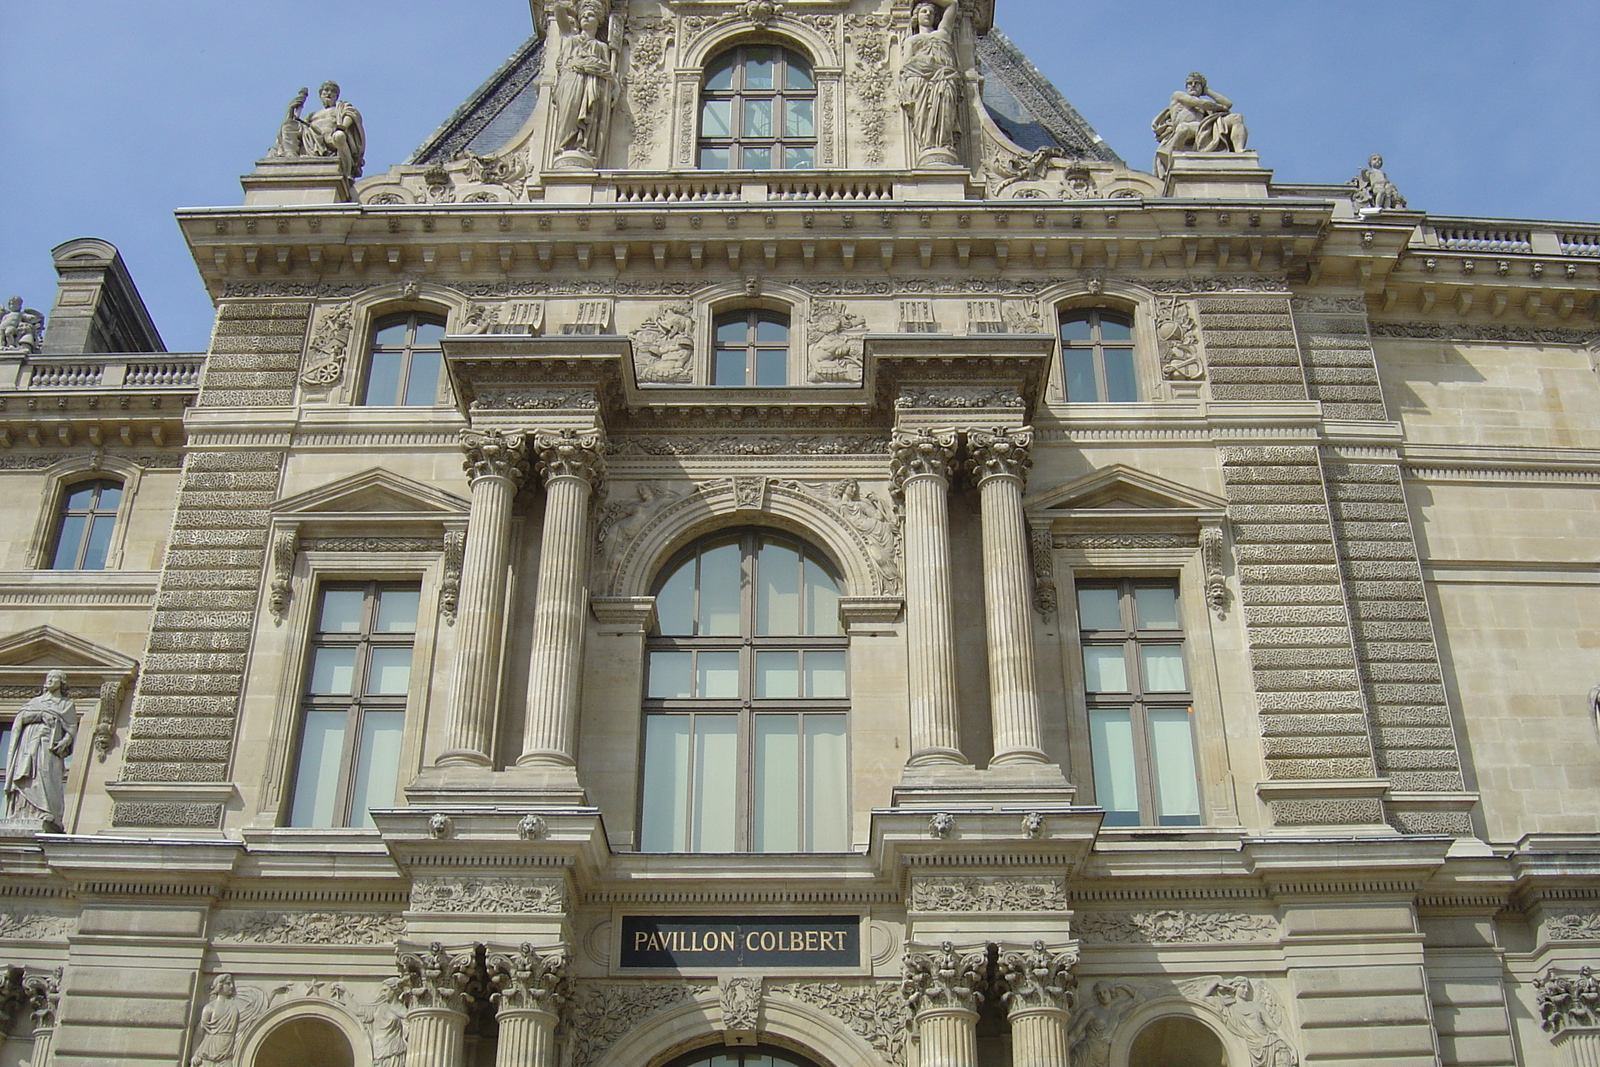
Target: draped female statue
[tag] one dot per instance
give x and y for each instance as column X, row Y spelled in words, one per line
column 586, row 75
column 930, row 82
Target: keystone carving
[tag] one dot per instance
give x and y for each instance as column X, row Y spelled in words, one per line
column 944, row 978
column 1005, row 453
column 492, row 454
column 526, row 980
column 741, row 1004
column 1038, row 977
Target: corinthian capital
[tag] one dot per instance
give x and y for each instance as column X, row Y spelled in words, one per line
column 1038, row 977
column 1001, row 453
column 527, row 980
column 433, row 978
column 571, row 454
column 944, row 978
column 492, row 454
column 919, row 452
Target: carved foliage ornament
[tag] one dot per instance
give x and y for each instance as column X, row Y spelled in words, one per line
column 493, row 454
column 508, row 896
column 741, row 1004
column 1039, row 977
column 972, row 893
column 876, row 1011
column 1169, row 927
column 944, row 978
column 527, row 980
column 1577, row 925
column 603, row 1012
column 309, row 928
column 1211, row 546
column 1003, row 453
column 1568, row 1000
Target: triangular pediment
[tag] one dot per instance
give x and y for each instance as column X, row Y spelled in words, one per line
column 45, row 647
column 373, row 491
column 1120, row 488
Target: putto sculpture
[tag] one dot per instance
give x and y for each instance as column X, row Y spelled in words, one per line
column 41, row 740
column 930, row 82
column 20, row 327
column 333, row 131
column 1196, row 120
column 586, row 80
column 1373, row 187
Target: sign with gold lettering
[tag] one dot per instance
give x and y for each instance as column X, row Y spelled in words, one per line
column 687, row 941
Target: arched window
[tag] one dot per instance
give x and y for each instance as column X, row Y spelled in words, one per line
column 745, row 725
column 1176, row 1041
column 1097, row 356
column 758, row 111
column 405, row 367
column 306, row 1041
column 87, row 517
column 753, row 1056
column 752, row 348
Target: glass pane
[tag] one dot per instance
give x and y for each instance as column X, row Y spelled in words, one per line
column 316, row 778
column 778, row 674
column 720, row 74
column 1163, row 668
column 715, row 116
column 110, row 497
column 397, row 610
column 1120, row 385
column 775, row 821
column 391, row 336
column 827, row 785
column 799, row 158
column 797, row 74
column 716, row 762
column 822, row 601
column 5, row 743
column 1104, row 669
column 422, row 386
column 713, row 159
column 772, row 330
column 757, row 118
column 771, row 367
column 1115, row 327
column 675, row 602
column 1157, row 607
column 825, row 675
column 67, row 545
column 778, row 591
column 1097, row 609
column 758, row 159
column 428, row 334
column 664, row 805
column 669, row 676
column 718, row 675
column 383, row 378
column 733, row 333
column 730, row 369
column 377, row 764
column 798, row 119
column 758, row 66
column 81, row 499
column 332, row 671
column 1079, row 366
column 341, row 611
column 390, row 672
column 719, row 590
column 1116, row 784
column 1075, row 327
column 1177, row 785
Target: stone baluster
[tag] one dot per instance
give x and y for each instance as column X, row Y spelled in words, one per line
column 1038, row 988
column 433, row 985
column 998, row 461
column 921, row 469
column 496, row 463
column 572, row 464
column 529, row 990
column 944, row 988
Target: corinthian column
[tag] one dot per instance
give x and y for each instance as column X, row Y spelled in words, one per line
column 572, row 465
column 496, row 464
column 44, row 997
column 529, row 990
column 1038, row 989
column 921, row 469
column 944, row 988
column 433, row 985
column 998, row 461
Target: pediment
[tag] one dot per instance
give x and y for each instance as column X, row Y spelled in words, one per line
column 1123, row 489
column 45, row 647
column 373, row 491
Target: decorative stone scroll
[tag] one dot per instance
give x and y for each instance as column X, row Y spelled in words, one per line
column 1211, row 549
column 285, row 547
column 1045, row 594
column 455, row 546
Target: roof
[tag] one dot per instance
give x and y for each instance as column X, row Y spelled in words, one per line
column 493, row 114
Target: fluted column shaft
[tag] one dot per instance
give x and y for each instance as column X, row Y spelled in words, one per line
column 435, row 1037
column 527, row 1038
column 949, row 1037
column 1579, row 1048
column 1038, row 988
column 998, row 461
column 497, row 464
column 572, row 465
column 921, row 468
column 1039, row 1037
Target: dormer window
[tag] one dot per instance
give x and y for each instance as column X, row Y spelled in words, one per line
column 758, row 111
column 752, row 349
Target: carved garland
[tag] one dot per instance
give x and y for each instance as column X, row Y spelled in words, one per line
column 1170, row 927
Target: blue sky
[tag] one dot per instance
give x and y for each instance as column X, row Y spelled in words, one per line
column 116, row 113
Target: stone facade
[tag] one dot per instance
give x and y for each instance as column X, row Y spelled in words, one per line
column 1351, row 446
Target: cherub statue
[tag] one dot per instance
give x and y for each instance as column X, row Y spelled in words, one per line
column 1373, row 187
column 21, row 327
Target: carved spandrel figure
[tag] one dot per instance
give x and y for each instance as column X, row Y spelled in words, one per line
column 1373, row 187
column 228, row 1011
column 41, row 740
column 21, row 327
column 663, row 347
column 333, row 131
column 1089, row 1036
column 1196, row 120
column 386, row 1021
column 930, row 82
column 1251, row 1014
column 586, row 76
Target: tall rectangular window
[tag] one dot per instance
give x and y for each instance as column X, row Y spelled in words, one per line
column 1097, row 356
column 358, row 676
column 1141, row 711
column 83, row 527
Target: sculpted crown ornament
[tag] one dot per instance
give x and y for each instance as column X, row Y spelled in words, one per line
column 1039, row 977
column 915, row 453
column 1004, row 453
column 492, row 454
column 433, row 978
column 571, row 454
column 525, row 980
column 945, row 979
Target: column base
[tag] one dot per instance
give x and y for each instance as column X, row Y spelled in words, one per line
column 1032, row 757
column 448, row 786
column 462, row 757
column 1012, row 785
column 939, row 757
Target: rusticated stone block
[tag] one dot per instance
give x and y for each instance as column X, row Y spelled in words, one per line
column 247, row 398
column 1276, row 513
column 1325, row 812
column 1402, row 672
column 1306, row 574
column 1273, row 553
column 1421, row 759
column 232, row 481
column 1390, row 610
column 178, row 750
column 1313, row 615
column 1290, row 725
column 1302, row 658
column 1300, row 701
column 188, row 662
column 1274, row 455
column 1299, row 637
column 202, row 620
column 190, row 684
column 1293, row 770
column 236, row 460
column 206, row 600
column 1356, row 549
column 198, row 641
column 183, row 727
column 206, row 519
column 1411, row 715
column 1454, row 823
column 259, row 327
column 1295, row 493
column 214, row 559
column 1377, row 531
column 255, row 538
column 246, row 356
column 1258, row 392
column 1317, row 746
column 1308, row 533
column 1347, row 511
column 140, row 771
column 1409, row 694
column 139, row 813
column 1383, row 630
column 226, row 500
column 197, row 706
column 182, row 580
column 1384, row 570
column 1317, row 681
column 1446, row 781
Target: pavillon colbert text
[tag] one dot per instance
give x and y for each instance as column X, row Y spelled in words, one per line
column 676, row 941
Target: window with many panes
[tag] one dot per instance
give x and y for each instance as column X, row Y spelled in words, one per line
column 752, row 348
column 745, row 716
column 83, row 529
column 358, row 674
column 405, row 366
column 758, row 111
column 1141, row 709
column 1097, row 356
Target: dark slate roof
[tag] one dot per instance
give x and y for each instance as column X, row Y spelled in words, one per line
column 492, row 114
column 1027, row 108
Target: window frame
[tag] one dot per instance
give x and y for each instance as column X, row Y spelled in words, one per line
column 93, row 513
column 411, row 318
column 753, row 316
column 1097, row 346
column 60, row 479
column 737, row 94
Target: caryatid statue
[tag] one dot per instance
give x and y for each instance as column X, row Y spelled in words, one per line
column 333, row 131
column 1196, row 120
column 930, row 82
column 21, row 327
column 41, row 740
column 586, row 80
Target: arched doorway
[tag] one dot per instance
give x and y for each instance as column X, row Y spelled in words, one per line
column 305, row 1041
column 1177, row 1041
column 754, row 1056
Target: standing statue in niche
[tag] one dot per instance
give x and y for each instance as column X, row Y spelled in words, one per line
column 333, row 131
column 930, row 82
column 1197, row 120
column 41, row 740
column 1373, row 187
column 586, row 76
column 21, row 327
